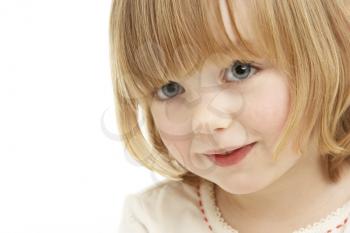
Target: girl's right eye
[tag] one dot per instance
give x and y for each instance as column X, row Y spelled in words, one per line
column 168, row 91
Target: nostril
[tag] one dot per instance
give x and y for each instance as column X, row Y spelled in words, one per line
column 219, row 129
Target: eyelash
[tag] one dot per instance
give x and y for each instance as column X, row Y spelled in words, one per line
column 226, row 70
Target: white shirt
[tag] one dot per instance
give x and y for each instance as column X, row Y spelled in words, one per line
column 178, row 207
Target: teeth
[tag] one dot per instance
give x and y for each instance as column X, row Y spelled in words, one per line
column 228, row 152
column 225, row 153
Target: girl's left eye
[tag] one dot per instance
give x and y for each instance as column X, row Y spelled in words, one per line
column 240, row 71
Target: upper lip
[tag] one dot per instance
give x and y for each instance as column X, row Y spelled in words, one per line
column 224, row 150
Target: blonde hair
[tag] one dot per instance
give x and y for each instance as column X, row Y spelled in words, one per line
column 155, row 41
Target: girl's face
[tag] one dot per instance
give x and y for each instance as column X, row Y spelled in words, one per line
column 217, row 108
column 203, row 113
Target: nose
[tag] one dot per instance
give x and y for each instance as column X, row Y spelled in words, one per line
column 207, row 119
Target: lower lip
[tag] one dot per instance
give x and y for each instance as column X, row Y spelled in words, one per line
column 234, row 158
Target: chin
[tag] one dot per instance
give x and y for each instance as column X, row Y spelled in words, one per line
column 243, row 186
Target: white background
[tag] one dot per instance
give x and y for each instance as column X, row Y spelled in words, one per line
column 62, row 166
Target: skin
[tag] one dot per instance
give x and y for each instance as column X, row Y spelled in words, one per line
column 213, row 114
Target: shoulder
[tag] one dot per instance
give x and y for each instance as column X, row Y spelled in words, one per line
column 162, row 203
column 164, row 191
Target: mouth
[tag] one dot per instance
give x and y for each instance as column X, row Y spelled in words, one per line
column 226, row 151
column 231, row 157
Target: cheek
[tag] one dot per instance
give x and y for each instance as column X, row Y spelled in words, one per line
column 177, row 136
column 269, row 107
column 179, row 149
column 174, row 127
column 271, row 112
column 172, row 118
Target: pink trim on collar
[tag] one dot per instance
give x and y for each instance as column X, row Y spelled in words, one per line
column 205, row 219
column 202, row 209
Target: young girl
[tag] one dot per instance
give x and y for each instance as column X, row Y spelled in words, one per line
column 247, row 105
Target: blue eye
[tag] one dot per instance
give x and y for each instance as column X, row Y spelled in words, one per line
column 169, row 91
column 239, row 71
